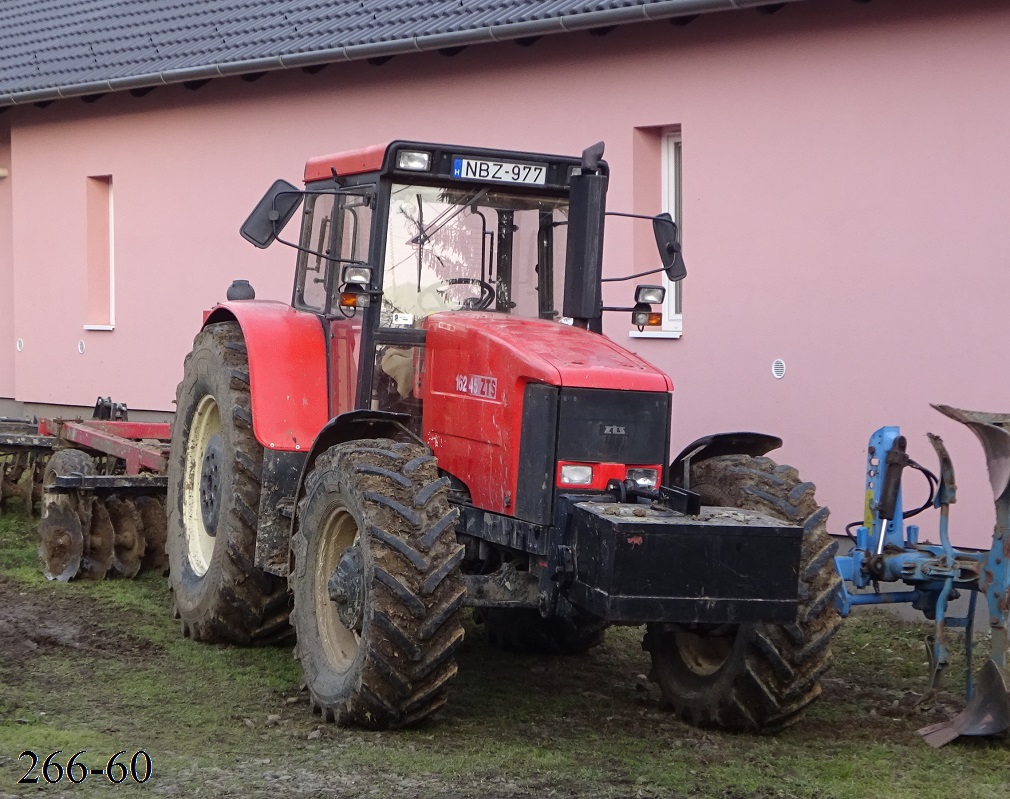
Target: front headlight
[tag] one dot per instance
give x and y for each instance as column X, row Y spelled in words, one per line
column 361, row 275
column 414, row 160
column 644, row 478
column 651, row 295
column 575, row 475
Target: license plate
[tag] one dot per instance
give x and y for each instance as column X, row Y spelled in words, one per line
column 500, row 171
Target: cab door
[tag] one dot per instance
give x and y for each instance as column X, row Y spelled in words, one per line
column 335, row 234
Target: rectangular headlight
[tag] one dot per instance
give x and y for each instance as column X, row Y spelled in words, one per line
column 646, row 478
column 576, row 475
column 414, row 160
column 651, row 295
column 361, row 275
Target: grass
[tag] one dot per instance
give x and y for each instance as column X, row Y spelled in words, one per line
column 221, row 721
column 18, row 556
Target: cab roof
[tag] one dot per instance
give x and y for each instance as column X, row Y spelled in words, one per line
column 551, row 171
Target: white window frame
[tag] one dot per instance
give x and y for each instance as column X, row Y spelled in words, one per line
column 673, row 317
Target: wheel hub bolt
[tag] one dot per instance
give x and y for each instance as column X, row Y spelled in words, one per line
column 210, row 484
column 346, row 588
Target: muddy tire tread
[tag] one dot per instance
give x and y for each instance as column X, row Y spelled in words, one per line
column 774, row 671
column 251, row 606
column 413, row 621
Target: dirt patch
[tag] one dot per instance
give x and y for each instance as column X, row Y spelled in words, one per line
column 224, row 721
column 35, row 623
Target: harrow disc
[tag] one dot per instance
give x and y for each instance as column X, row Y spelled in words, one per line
column 66, row 517
column 154, row 521
column 61, row 539
column 21, row 477
column 99, row 551
column 12, row 467
column 38, row 467
column 128, row 542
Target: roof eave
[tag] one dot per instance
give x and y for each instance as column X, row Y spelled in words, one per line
column 666, row 9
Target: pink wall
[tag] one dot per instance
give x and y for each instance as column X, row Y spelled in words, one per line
column 846, row 195
column 845, row 190
column 7, row 338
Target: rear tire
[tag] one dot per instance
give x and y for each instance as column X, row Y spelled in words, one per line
column 213, row 501
column 376, row 583
column 755, row 677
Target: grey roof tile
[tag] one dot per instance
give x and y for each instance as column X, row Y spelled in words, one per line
column 64, row 47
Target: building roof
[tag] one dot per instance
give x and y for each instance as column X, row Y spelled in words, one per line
column 51, row 49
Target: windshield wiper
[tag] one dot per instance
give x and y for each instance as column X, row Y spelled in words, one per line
column 444, row 218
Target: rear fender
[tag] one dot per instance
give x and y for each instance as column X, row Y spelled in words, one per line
column 713, row 446
column 287, row 371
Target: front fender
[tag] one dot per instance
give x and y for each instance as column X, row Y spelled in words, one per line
column 287, row 371
column 713, row 446
column 354, row 425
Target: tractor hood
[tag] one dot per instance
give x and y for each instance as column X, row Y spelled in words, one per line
column 536, row 350
column 491, row 388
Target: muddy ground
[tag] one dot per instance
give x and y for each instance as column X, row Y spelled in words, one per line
column 101, row 667
column 34, row 624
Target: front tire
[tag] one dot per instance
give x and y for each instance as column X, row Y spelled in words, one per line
column 213, row 501
column 376, row 582
column 755, row 677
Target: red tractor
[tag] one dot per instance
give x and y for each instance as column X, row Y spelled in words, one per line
column 435, row 422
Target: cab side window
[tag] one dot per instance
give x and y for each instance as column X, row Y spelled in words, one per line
column 336, row 230
column 314, row 257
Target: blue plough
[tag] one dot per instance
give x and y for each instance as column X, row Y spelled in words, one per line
column 887, row 550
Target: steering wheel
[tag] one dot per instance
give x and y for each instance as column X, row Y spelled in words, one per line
column 481, row 303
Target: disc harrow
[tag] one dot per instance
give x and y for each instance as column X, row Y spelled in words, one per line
column 99, row 485
column 23, row 457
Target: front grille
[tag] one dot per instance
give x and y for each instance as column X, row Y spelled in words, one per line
column 602, row 425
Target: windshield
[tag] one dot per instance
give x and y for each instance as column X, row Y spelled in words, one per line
column 472, row 249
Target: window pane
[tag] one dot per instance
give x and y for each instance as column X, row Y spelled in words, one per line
column 459, row 249
column 317, row 235
column 335, row 230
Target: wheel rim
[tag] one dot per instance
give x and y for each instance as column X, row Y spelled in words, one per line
column 704, row 655
column 210, row 484
column 339, row 643
column 206, row 425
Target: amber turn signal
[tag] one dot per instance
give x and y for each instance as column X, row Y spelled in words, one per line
column 351, row 299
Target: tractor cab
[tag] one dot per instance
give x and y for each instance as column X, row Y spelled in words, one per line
column 393, row 234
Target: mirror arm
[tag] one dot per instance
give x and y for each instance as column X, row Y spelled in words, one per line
column 650, row 217
column 630, row 277
column 321, row 254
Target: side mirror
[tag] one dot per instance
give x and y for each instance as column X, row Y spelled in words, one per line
column 271, row 214
column 669, row 248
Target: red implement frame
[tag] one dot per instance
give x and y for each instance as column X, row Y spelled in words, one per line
column 121, row 439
